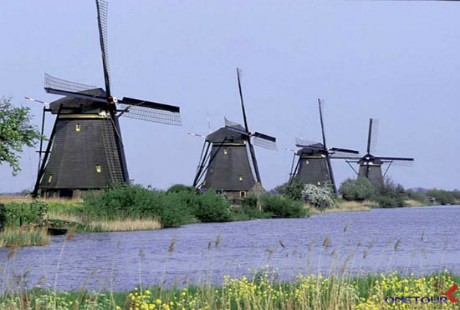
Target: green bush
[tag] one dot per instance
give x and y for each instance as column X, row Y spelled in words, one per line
column 417, row 196
column 178, row 188
column 24, row 213
column 356, row 189
column 283, row 207
column 121, row 201
column 320, row 197
column 211, row 207
column 291, row 189
column 134, row 201
column 250, row 210
column 441, row 197
column 390, row 195
column 173, row 212
column 179, row 205
column 456, row 194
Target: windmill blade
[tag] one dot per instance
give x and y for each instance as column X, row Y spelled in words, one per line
column 340, row 150
column 196, row 135
column 45, row 104
column 150, row 111
column 331, row 174
column 342, row 155
column 306, row 143
column 264, row 136
column 263, row 140
column 372, row 135
column 232, row 124
column 311, row 147
column 54, row 85
column 399, row 163
column 395, row 158
column 254, row 162
column 242, row 101
column 148, row 104
column 102, row 8
column 209, row 122
column 322, row 122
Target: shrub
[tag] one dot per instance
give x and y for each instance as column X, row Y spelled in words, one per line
column 417, row 196
column 456, row 194
column 441, row 196
column 320, row 197
column 136, row 202
column 178, row 188
column 390, row 195
column 249, row 210
column 283, row 207
column 291, row 189
column 179, row 205
column 356, row 189
column 173, row 211
column 211, row 207
column 24, row 213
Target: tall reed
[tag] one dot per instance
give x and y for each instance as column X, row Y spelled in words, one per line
column 24, row 236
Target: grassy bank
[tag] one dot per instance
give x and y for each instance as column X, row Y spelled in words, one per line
column 24, row 236
column 345, row 206
column 261, row 291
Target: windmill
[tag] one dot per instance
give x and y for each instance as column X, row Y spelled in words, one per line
column 370, row 166
column 314, row 160
column 85, row 148
column 228, row 161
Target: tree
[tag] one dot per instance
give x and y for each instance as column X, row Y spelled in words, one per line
column 356, row 189
column 15, row 132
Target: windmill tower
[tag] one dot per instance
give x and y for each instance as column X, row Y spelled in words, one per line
column 314, row 159
column 228, row 161
column 85, row 148
column 370, row 166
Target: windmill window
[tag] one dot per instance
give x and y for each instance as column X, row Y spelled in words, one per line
column 98, row 168
column 225, row 151
column 241, row 178
column 243, row 194
column 77, row 127
column 50, row 178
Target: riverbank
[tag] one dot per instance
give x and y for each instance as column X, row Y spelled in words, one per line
column 345, row 206
column 260, row 291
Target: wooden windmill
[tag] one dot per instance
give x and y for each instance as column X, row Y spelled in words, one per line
column 85, row 148
column 313, row 165
column 370, row 166
column 228, row 161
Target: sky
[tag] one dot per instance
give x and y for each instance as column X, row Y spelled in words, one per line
column 395, row 61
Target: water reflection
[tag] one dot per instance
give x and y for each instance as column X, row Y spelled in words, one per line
column 420, row 240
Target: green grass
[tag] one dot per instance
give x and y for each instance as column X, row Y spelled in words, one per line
column 260, row 291
column 24, row 236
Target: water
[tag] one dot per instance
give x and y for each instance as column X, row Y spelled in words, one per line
column 419, row 240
